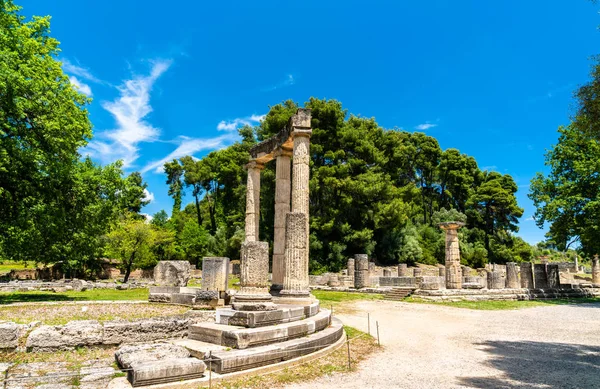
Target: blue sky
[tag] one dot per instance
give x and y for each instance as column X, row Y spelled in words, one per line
column 168, row 79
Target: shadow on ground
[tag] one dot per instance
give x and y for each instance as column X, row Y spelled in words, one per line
column 7, row 298
column 539, row 365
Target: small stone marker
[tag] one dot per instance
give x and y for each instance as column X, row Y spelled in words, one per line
column 215, row 273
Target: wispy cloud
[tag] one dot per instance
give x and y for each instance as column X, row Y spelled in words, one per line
column 234, row 124
column 129, row 112
column 289, row 80
column 80, row 71
column 490, row 168
column 82, row 87
column 530, row 219
column 189, row 146
column 425, row 126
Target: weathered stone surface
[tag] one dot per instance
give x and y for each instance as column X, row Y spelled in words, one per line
column 80, row 285
column 254, row 281
column 387, row 273
column 553, row 276
column 36, row 374
column 442, row 271
column 452, row 260
column 253, row 201
column 172, row 273
column 398, row 281
column 295, row 280
column 527, row 275
column 120, row 332
column 350, row 267
column 282, row 207
column 430, row 282
column 127, row 355
column 540, row 276
column 9, row 336
column 496, row 280
column 512, row 276
column 284, row 314
column 402, row 270
column 361, row 271
column 73, row 334
column 215, row 273
column 595, row 270
column 417, row 272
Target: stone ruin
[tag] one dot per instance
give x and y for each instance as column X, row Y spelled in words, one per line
column 262, row 325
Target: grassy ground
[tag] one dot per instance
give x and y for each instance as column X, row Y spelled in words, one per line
column 361, row 346
column 88, row 295
column 64, row 313
column 500, row 305
column 232, row 283
column 74, row 358
column 341, row 301
column 7, row 266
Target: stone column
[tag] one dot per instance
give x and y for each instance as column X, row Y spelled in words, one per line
column 512, row 276
column 295, row 280
column 417, row 272
column 254, row 279
column 361, row 272
column 527, row 275
column 282, row 207
column 596, row 270
column 495, row 280
column 253, row 200
column 402, row 270
column 453, row 270
column 350, row 267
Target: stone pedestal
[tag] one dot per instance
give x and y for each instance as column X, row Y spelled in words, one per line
column 295, row 280
column 172, row 273
column 403, row 270
column 282, row 208
column 553, row 276
column 453, row 270
column 595, row 270
column 215, row 273
column 361, row 272
column 540, row 275
column 512, row 276
column 495, row 279
column 253, row 201
column 254, row 286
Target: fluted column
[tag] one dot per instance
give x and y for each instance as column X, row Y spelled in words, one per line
column 301, row 172
column 253, row 201
column 453, row 270
column 282, row 207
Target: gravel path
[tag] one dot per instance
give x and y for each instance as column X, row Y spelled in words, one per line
column 429, row 346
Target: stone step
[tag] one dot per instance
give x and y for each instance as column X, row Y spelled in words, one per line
column 397, row 294
column 236, row 360
column 197, row 348
column 241, row 338
column 283, row 314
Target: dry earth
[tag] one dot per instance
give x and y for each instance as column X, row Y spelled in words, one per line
column 428, row 346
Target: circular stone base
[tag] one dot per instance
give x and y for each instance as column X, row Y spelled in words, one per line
column 253, row 302
column 287, row 299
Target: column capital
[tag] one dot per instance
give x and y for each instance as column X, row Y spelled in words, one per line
column 301, row 132
column 254, row 165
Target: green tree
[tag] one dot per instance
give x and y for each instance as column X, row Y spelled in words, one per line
column 134, row 194
column 43, row 123
column 131, row 242
column 160, row 219
column 174, row 173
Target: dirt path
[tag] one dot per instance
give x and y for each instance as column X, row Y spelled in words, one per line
column 429, row 346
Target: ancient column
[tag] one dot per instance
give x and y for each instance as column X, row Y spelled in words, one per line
column 254, row 279
column 527, row 275
column 295, row 279
column 512, row 276
column 596, row 270
column 350, row 267
column 253, row 200
column 453, row 270
column 282, row 207
column 361, row 272
column 402, row 270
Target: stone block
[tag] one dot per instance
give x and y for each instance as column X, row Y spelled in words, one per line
column 496, row 280
column 119, row 332
column 402, row 270
column 387, row 273
column 9, row 336
column 161, row 372
column 215, row 273
column 512, row 276
column 527, row 275
column 209, row 332
column 254, row 319
column 540, row 276
column 361, row 262
column 126, row 356
column 350, row 267
column 553, row 276
column 172, row 273
column 73, row 334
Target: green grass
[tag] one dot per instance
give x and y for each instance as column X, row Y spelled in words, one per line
column 504, row 305
column 7, row 266
column 88, row 295
column 340, row 300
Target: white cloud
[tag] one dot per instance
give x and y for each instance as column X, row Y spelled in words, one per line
column 129, row 111
column 189, row 146
column 425, row 126
column 83, row 88
column 79, row 71
column 148, row 217
column 490, row 168
column 234, row 124
column 148, row 196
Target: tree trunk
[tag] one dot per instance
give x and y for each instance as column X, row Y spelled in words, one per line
column 198, row 210
column 128, row 268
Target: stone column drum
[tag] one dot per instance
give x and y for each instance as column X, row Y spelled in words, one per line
column 512, row 276
column 453, row 270
column 350, row 267
column 215, row 272
column 361, row 272
column 403, row 270
column 282, row 207
column 527, row 275
column 596, row 270
column 254, row 285
column 295, row 280
column 253, row 201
